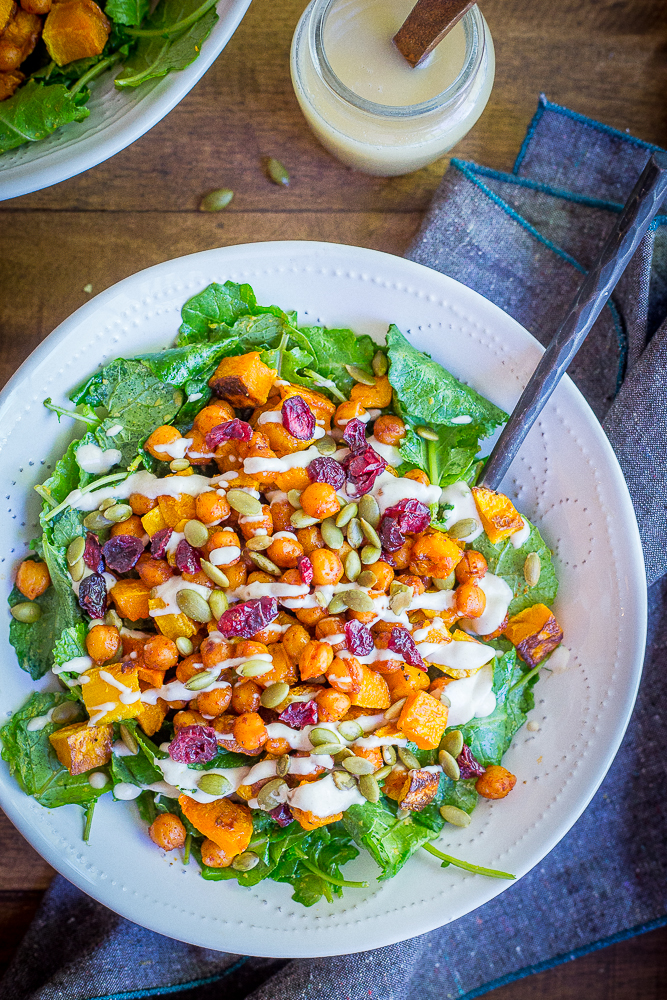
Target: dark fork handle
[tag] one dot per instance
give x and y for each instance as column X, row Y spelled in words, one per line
column 640, row 209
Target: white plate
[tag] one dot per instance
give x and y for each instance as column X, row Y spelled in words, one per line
column 117, row 118
column 566, row 479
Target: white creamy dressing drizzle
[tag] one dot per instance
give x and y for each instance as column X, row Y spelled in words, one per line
column 125, row 791
column 322, row 798
column 145, row 483
column 112, row 431
column 457, row 655
column 388, row 452
column 174, row 539
column 185, row 778
column 297, row 460
column 463, row 419
column 127, row 695
column 98, row 779
column 74, row 666
column 225, row 556
column 471, row 697
column 388, row 490
column 176, row 691
column 498, row 598
column 177, row 448
column 39, row 722
column 521, row 536
column 459, row 495
column 94, row 460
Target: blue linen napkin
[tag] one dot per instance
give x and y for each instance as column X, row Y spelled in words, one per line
column 523, row 240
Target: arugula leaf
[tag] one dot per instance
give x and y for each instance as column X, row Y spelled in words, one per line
column 313, row 866
column 333, row 349
column 37, row 110
column 130, row 12
column 210, row 314
column 72, row 643
column 507, row 562
column 177, row 365
column 32, row 760
column 157, row 55
column 269, row 842
column 447, row 460
column 390, row 841
column 137, row 770
column 224, row 758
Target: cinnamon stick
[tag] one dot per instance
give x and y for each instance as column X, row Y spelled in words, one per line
column 426, row 25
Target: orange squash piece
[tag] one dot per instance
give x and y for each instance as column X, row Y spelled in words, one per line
column 498, row 515
column 174, row 509
column 76, row 29
column 419, row 789
column 7, row 12
column 151, row 717
column 423, row 720
column 376, row 396
column 374, row 754
column 243, row 380
column 282, row 670
column 406, row 681
column 394, row 784
column 10, row 83
column 346, row 675
column 98, row 691
column 228, row 824
column 131, row 599
column 373, row 692
column 535, row 633
column 309, row 821
column 81, row 747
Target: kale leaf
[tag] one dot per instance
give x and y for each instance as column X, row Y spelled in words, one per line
column 134, row 770
column 210, row 314
column 129, row 12
column 390, row 841
column 225, row 758
column 507, row 562
column 333, row 349
column 35, row 111
column 447, row 460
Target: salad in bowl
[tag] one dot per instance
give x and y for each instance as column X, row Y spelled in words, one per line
column 276, row 610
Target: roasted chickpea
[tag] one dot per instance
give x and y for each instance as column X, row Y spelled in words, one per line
column 418, row 476
column 250, row 731
column 319, row 500
column 254, row 525
column 400, row 559
column 153, row 571
column 327, row 567
column 102, row 643
column 277, row 746
column 161, row 436
column 315, row 659
column 140, row 504
column 214, row 703
column 470, row 600
column 188, row 667
column 249, row 648
column 32, row 578
column 332, row 705
column 211, row 508
column 310, row 616
column 281, row 511
column 212, row 416
column 384, row 576
column 160, row 653
column 389, row 429
column 237, row 575
column 310, row 538
column 246, row 696
column 410, row 580
column 259, row 576
column 167, row 831
column 285, row 552
column 332, row 626
column 381, row 632
column 213, row 856
column 294, row 641
column 291, row 576
column 347, row 411
column 365, row 617
column 472, row 567
column 217, row 543
column 496, row 783
column 213, row 652
column 188, row 718
column 132, row 526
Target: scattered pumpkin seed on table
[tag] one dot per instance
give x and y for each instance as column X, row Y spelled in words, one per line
column 215, row 201
column 277, row 172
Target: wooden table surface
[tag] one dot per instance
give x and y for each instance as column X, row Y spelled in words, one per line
column 604, row 58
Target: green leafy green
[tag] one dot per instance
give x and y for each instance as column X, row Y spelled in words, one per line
column 136, row 770
column 224, row 758
column 32, row 760
column 447, row 460
column 210, row 314
column 333, row 349
column 507, row 562
column 390, row 841
column 130, row 12
column 71, row 643
column 37, row 110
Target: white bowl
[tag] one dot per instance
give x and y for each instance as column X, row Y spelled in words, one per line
column 117, row 118
column 566, row 479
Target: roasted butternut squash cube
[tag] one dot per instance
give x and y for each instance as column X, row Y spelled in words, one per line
column 309, row 821
column 104, row 689
column 7, row 11
column 243, row 380
column 374, row 754
column 434, row 554
column 535, row 633
column 406, row 681
column 423, row 720
column 497, row 513
column 394, row 784
column 81, row 747
column 172, row 626
column 151, row 717
column 228, row 824
column 76, row 29
column 10, row 82
column 419, row 789
column 131, row 599
column 375, row 396
column 293, row 479
column 176, row 509
column 373, row 692
column 322, row 407
column 153, row 521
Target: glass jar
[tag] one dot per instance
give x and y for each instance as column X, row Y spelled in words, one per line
column 342, row 56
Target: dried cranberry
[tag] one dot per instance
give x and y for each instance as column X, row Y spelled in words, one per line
column 300, row 714
column 305, row 568
column 363, row 468
column 194, row 745
column 468, row 765
column 298, row 418
column 160, row 541
column 282, row 814
column 121, row 552
column 245, row 620
column 355, row 434
column 411, row 515
column 390, row 534
column 231, row 430
column 92, row 554
column 358, row 638
column 187, row 558
column 93, row 595
column 400, row 641
column 327, row 470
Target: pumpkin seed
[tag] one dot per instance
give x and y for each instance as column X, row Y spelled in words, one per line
column 214, row 784
column 277, row 172
column 129, row 739
column 109, row 502
column 26, row 612
column 342, row 755
column 359, row 375
column 455, row 816
column 369, row 510
column 382, row 772
column 394, row 710
column 270, row 794
column 444, row 700
column 294, row 497
column 355, row 535
column 254, row 668
column 246, row 861
column 369, row 787
column 427, row 433
column 358, row 600
column 370, row 554
column 336, row 604
column 196, row 534
column 96, row 521
column 352, row 566
column 66, row 712
column 326, row 445
column 389, row 755
column 201, row 680
column 215, row 201
column 370, row 533
column 213, row 573
column 300, row 519
column 380, row 364
column 320, row 598
column 350, row 730
column 282, row 765
column 345, row 515
column 343, row 779
column 112, row 618
column 274, row 694
column 333, row 536
column 326, row 748
column 179, row 465
column 218, row 603
column 193, row 605
column 408, row 758
column 184, row 646
column 402, row 813
column 445, row 583
column 319, row 736
column 243, row 503
column 367, row 579
column 263, row 562
column 118, row 513
column 257, row 543
column 400, row 597
column 77, row 570
column 463, row 528
column 358, row 765
column 449, row 765
column 452, row 742
column 532, row 568
column 75, row 550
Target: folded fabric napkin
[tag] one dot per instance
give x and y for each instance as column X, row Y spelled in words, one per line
column 522, row 240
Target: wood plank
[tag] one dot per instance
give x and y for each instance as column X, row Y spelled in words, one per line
column 22, row 867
